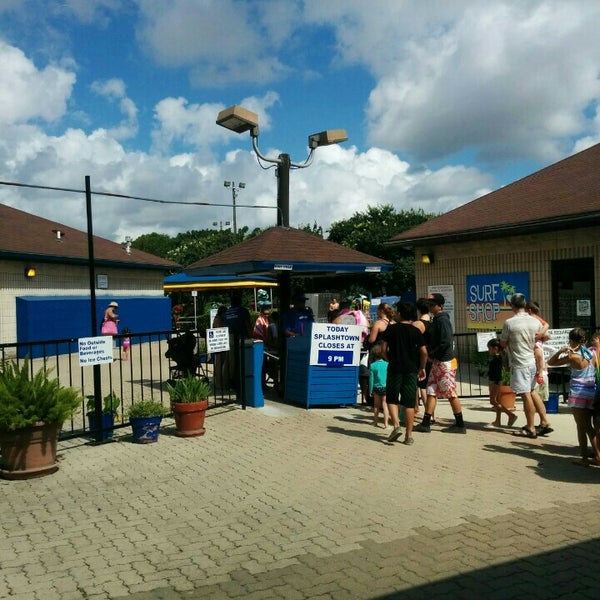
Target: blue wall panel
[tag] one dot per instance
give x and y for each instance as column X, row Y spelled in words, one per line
column 41, row 318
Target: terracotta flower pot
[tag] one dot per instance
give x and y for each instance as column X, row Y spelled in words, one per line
column 189, row 418
column 507, row 397
column 29, row 452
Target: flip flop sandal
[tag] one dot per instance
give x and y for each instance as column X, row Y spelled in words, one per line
column 544, row 430
column 524, row 432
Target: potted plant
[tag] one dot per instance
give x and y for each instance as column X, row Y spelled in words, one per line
column 32, row 411
column 145, row 417
column 189, row 401
column 110, row 405
column 507, row 396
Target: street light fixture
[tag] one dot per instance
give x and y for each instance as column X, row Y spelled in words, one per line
column 240, row 119
column 234, row 193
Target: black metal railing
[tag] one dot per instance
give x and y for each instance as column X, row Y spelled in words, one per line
column 143, row 376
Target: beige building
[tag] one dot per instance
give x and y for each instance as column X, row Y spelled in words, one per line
column 539, row 235
column 46, row 264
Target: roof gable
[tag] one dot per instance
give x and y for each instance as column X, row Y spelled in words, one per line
column 566, row 193
column 26, row 236
column 287, row 246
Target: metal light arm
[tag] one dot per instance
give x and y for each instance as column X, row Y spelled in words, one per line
column 278, row 160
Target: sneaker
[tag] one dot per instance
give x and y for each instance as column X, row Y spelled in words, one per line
column 408, row 441
column 454, row 429
column 396, row 433
column 422, row 428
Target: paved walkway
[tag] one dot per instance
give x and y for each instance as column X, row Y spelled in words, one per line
column 282, row 502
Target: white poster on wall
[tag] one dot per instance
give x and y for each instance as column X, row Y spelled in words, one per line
column 448, row 292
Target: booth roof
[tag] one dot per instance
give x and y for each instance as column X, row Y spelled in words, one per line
column 287, row 249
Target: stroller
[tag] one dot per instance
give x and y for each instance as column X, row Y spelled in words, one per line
column 182, row 351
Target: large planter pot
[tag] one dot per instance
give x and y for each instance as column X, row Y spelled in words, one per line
column 29, row 452
column 189, row 418
column 145, row 429
column 108, row 423
column 507, row 397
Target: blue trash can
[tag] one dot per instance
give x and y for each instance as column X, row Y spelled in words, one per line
column 253, row 361
column 551, row 404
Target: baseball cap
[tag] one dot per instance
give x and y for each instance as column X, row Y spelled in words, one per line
column 114, row 304
column 436, row 299
column 299, row 298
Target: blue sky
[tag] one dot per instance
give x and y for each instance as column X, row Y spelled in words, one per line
column 442, row 102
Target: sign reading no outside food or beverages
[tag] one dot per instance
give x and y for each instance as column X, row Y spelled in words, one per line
column 95, row 350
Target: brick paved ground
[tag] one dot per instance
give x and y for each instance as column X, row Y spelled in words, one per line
column 287, row 503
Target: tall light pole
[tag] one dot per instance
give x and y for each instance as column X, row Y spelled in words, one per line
column 240, row 119
column 234, row 192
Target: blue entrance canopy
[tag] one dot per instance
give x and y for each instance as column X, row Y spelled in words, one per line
column 181, row 282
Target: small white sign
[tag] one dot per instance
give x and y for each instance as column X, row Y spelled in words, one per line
column 483, row 337
column 95, row 350
column 584, row 308
column 283, row 267
column 102, row 282
column 559, row 338
column 217, row 339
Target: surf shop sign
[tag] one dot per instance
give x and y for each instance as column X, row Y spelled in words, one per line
column 488, row 298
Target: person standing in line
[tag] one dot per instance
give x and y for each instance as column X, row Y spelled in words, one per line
column 518, row 338
column 582, row 390
column 404, row 347
column 260, row 332
column 423, row 323
column 385, row 318
column 495, row 367
column 237, row 320
column 377, row 385
column 442, row 379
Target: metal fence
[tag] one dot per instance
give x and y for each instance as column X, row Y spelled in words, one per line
column 146, row 372
column 143, row 376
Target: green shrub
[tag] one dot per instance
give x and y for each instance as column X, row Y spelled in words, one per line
column 110, row 403
column 26, row 399
column 189, row 389
column 146, row 408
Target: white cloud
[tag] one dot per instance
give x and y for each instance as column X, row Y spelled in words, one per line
column 221, row 40
column 508, row 78
column 194, row 125
column 23, row 86
column 114, row 90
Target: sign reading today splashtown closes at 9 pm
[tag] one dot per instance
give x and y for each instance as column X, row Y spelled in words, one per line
column 335, row 345
column 488, row 298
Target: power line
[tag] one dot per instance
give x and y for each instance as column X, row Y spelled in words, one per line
column 128, row 197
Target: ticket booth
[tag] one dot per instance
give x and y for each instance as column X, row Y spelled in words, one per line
column 322, row 366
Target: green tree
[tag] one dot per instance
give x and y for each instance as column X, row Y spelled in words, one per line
column 367, row 232
column 192, row 246
column 159, row 244
column 313, row 229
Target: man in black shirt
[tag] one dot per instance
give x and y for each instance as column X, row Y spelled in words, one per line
column 404, row 347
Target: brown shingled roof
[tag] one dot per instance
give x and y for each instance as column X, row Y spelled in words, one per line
column 25, row 236
column 287, row 246
column 565, row 194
